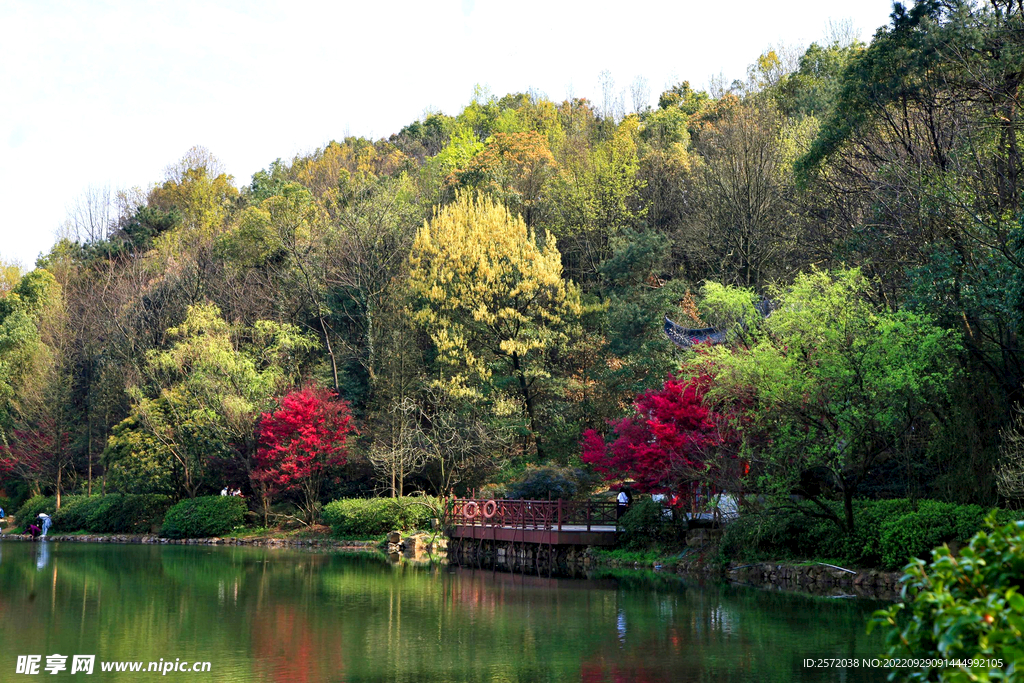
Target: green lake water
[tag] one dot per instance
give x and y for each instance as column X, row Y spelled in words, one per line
column 291, row 616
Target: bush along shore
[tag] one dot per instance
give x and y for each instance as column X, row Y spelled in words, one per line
column 792, row 550
column 702, row 559
column 785, row 549
column 385, row 524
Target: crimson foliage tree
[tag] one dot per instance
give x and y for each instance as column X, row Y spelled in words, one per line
column 41, row 455
column 299, row 444
column 672, row 439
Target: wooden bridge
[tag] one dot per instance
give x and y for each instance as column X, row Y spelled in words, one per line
column 543, row 522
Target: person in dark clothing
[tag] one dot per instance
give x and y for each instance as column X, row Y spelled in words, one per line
column 34, row 530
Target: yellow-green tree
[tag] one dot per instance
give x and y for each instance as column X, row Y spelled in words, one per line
column 203, row 196
column 492, row 298
column 513, row 168
column 595, row 196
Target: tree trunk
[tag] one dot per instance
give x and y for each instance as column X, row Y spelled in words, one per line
column 528, row 400
column 330, row 352
column 89, row 427
column 848, row 507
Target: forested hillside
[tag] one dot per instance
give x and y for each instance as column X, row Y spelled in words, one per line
column 486, row 290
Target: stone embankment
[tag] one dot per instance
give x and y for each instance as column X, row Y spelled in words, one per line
column 157, row 540
column 820, row 578
column 700, row 560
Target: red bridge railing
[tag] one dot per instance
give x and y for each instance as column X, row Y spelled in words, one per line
column 531, row 514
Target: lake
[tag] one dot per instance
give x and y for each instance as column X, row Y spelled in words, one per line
column 259, row 614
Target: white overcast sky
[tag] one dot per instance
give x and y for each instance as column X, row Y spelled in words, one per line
column 110, row 93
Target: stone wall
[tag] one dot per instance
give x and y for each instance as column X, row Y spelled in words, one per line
column 819, row 579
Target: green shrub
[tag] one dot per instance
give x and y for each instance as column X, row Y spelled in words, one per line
column 139, row 513
column 112, row 513
column 864, row 548
column 102, row 512
column 968, row 607
column 74, row 513
column 355, row 517
column 645, row 524
column 545, row 483
column 32, row 507
column 203, row 517
column 886, row 532
column 916, row 533
column 772, row 534
column 1004, row 517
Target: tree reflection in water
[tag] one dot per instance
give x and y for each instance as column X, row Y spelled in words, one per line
column 286, row 616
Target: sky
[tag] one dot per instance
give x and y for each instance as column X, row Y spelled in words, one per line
column 109, row 94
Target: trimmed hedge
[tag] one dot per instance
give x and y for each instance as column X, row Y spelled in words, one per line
column 932, row 524
column 113, row 513
column 75, row 512
column 203, row 517
column 352, row 517
column 32, row 507
column 887, row 533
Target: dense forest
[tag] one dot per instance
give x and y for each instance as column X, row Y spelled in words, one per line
column 481, row 296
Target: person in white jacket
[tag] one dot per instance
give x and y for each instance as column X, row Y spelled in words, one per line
column 623, row 500
column 47, row 522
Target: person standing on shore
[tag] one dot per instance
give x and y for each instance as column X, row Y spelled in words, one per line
column 47, row 522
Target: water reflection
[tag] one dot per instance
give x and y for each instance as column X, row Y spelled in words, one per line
column 42, row 555
column 292, row 617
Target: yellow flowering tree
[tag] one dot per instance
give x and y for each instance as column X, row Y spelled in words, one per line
column 493, row 300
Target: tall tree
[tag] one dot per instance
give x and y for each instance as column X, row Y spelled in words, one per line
column 739, row 227
column 492, row 298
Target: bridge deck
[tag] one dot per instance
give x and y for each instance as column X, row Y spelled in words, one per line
column 568, row 535
column 533, row 521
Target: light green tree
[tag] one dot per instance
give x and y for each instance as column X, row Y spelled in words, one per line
column 492, row 298
column 203, row 395
column 835, row 383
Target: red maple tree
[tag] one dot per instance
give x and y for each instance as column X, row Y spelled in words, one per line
column 299, row 444
column 673, row 439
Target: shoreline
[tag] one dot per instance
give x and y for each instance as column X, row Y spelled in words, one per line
column 808, row 577
column 813, row 578
column 152, row 539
